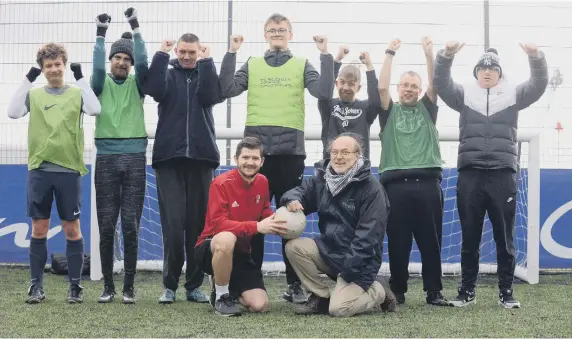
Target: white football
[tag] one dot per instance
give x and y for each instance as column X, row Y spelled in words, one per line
column 295, row 222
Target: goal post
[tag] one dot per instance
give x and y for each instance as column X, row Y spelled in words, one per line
column 527, row 227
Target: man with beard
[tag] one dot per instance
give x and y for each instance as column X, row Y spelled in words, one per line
column 121, row 142
column 488, row 158
column 411, row 172
column 346, row 113
column 238, row 208
column 55, row 161
column 276, row 114
column 185, row 154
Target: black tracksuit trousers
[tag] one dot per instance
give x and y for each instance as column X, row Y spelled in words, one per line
column 494, row 192
column 283, row 172
column 416, row 211
column 183, row 192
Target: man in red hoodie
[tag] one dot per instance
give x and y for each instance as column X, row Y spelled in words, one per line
column 238, row 208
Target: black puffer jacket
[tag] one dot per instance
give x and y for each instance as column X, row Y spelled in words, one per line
column 352, row 224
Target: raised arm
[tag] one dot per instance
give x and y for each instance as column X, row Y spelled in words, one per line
column 98, row 74
column 232, row 84
column 139, row 50
column 343, row 51
column 305, row 195
column 531, row 90
column 156, row 83
column 427, row 45
column 373, row 97
column 369, row 233
column 19, row 104
column 320, row 85
column 451, row 93
column 90, row 104
column 385, row 74
column 208, row 89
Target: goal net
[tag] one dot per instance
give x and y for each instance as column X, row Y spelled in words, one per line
column 526, row 223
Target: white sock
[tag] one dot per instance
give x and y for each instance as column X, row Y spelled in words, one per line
column 220, row 290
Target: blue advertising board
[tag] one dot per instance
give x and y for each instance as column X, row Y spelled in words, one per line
column 555, row 221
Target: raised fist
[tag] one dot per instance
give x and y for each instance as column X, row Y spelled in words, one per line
column 343, row 51
column 33, row 74
column 76, row 69
column 204, row 52
column 530, row 49
column 394, row 45
column 235, row 43
column 365, row 59
column 453, row 47
column 167, row 45
column 322, row 43
column 102, row 22
column 427, row 45
column 131, row 15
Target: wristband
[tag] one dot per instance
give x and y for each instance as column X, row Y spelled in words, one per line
column 101, row 31
column 388, row 51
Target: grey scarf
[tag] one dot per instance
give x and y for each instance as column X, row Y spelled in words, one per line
column 336, row 182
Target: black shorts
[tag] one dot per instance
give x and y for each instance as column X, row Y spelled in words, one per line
column 43, row 186
column 245, row 275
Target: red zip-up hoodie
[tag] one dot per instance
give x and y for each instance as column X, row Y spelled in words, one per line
column 236, row 206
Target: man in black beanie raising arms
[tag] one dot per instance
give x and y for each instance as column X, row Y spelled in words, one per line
column 487, row 160
column 121, row 142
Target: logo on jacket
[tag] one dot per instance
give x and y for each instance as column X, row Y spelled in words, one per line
column 257, row 199
column 234, row 204
column 349, row 205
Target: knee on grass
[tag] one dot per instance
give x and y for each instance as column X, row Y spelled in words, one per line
column 223, row 243
column 256, row 303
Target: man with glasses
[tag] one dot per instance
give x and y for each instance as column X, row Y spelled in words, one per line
column 411, row 172
column 487, row 160
column 276, row 113
column 352, row 208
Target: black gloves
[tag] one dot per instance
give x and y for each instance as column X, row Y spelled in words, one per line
column 76, row 69
column 131, row 15
column 33, row 74
column 102, row 21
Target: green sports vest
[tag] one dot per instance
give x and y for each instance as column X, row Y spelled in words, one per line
column 122, row 115
column 276, row 94
column 409, row 139
column 55, row 130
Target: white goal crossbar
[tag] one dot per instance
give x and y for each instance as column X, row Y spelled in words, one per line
column 529, row 273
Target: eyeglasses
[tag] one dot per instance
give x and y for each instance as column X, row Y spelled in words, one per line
column 344, row 153
column 279, row 31
column 413, row 87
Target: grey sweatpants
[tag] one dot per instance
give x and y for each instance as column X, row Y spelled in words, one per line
column 120, row 181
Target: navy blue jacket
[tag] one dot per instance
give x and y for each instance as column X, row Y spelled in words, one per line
column 186, row 96
column 352, row 224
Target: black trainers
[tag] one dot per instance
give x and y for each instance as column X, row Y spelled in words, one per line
column 314, row 305
column 128, row 295
column 35, row 295
column 506, row 299
column 400, row 297
column 464, row 298
column 226, row 306
column 108, row 295
column 436, row 298
column 294, row 293
column 75, row 294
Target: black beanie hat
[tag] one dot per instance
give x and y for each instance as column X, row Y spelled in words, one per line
column 123, row 45
column 488, row 60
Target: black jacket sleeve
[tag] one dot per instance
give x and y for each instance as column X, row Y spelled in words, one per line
column 305, row 193
column 369, row 233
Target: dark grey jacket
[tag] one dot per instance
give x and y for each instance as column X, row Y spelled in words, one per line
column 278, row 140
column 352, row 224
column 489, row 117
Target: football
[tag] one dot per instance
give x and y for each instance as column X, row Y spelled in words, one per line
column 295, row 222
